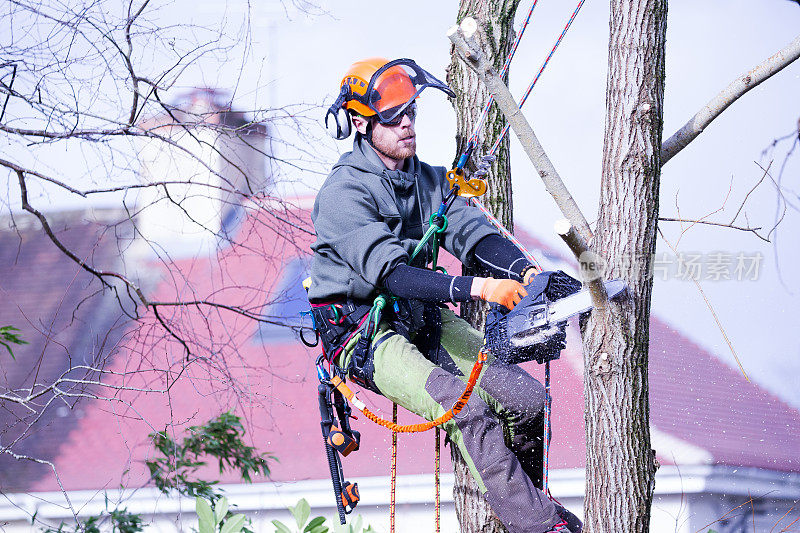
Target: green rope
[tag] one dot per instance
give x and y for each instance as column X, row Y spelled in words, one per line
column 381, row 300
column 371, row 327
column 433, row 231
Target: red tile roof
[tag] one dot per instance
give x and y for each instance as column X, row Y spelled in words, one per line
column 55, row 304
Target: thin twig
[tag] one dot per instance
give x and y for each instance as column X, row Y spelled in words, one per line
column 713, row 313
column 720, row 224
column 781, row 518
column 764, row 175
column 780, row 194
column 723, row 517
column 55, row 473
column 172, row 333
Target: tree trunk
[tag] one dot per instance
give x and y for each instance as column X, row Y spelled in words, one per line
column 620, row 464
column 497, row 19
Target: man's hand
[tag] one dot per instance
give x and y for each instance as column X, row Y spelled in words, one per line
column 505, row 292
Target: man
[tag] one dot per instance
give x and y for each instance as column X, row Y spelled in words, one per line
column 369, row 215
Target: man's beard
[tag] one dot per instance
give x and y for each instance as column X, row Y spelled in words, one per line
column 398, row 152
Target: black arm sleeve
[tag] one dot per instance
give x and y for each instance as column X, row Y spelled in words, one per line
column 429, row 286
column 500, row 257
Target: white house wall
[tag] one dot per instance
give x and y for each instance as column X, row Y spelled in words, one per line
column 687, row 500
column 191, row 213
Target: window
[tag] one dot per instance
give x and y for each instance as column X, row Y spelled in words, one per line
column 286, row 303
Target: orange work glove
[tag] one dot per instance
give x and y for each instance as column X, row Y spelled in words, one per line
column 505, row 292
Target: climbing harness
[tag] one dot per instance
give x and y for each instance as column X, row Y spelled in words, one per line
column 339, row 384
column 337, row 315
column 348, row 440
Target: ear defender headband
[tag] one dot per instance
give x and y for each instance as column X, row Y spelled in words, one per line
column 337, row 119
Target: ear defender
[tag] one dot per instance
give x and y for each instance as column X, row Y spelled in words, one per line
column 337, row 122
column 337, row 119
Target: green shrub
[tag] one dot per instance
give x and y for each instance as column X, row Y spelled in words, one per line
column 302, row 511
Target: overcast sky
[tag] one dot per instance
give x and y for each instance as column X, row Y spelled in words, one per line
column 710, row 42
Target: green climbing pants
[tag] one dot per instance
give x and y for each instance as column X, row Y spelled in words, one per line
column 499, row 431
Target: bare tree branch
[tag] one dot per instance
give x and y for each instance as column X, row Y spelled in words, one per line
column 746, row 196
column 107, row 85
column 63, row 491
column 719, row 224
column 781, row 197
column 731, row 224
column 102, row 274
column 698, row 123
column 464, row 39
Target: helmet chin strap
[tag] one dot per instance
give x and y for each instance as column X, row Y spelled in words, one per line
column 368, row 135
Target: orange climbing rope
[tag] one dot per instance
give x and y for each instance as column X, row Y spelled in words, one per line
column 437, row 513
column 396, row 428
column 337, row 382
column 393, row 490
column 437, row 510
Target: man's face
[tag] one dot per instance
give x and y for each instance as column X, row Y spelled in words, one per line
column 397, row 142
column 394, row 142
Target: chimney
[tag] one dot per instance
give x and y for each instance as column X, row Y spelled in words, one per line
column 213, row 161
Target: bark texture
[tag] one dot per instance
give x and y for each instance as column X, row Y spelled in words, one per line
column 497, row 20
column 620, row 464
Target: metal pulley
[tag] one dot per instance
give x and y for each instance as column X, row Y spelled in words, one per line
column 467, row 188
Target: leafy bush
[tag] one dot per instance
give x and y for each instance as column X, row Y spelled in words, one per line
column 302, row 511
column 174, row 469
column 218, row 519
column 220, row 438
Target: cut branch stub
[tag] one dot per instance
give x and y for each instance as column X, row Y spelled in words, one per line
column 466, row 44
column 591, row 264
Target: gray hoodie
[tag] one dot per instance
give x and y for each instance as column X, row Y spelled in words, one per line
column 369, row 219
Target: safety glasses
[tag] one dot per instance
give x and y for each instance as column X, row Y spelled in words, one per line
column 409, row 111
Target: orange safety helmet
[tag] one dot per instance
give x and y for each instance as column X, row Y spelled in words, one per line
column 378, row 87
column 392, row 88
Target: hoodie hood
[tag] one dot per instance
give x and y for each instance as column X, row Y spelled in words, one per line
column 365, row 158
